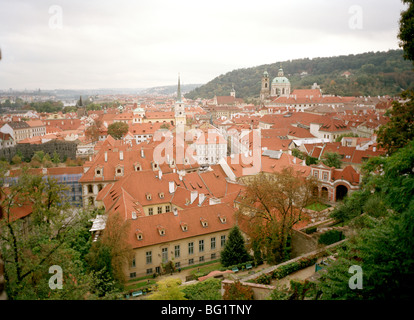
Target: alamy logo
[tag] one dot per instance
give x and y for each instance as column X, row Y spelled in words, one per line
column 355, row 282
column 56, row 281
column 355, row 21
column 56, row 20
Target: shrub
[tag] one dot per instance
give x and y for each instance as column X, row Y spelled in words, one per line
column 237, row 291
column 264, row 279
column 285, row 270
column 205, row 290
column 311, row 230
column 330, row 237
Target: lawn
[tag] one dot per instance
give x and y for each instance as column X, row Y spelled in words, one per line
column 317, row 206
column 206, row 269
column 139, row 285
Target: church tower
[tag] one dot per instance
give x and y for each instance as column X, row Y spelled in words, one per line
column 265, row 90
column 233, row 92
column 179, row 108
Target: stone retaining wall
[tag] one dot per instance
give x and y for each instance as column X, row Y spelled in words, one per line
column 261, row 291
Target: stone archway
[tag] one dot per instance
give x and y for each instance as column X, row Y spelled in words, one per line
column 340, row 192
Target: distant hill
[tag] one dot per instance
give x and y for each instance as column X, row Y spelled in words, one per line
column 371, row 74
column 168, row 90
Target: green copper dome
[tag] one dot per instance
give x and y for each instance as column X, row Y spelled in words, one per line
column 280, row 80
column 280, row 77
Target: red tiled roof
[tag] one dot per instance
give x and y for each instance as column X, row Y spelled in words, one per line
column 148, row 226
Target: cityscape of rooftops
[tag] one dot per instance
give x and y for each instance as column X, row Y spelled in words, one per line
column 220, row 151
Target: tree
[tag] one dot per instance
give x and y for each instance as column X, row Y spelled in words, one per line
column 384, row 245
column 298, row 154
column 406, row 34
column 237, row 291
column 332, row 159
column 270, row 206
column 16, row 159
column 400, row 128
column 55, row 158
column 234, row 251
column 168, row 289
column 109, row 254
column 208, row 289
column 93, row 131
column 165, row 126
column 30, row 247
column 118, row 129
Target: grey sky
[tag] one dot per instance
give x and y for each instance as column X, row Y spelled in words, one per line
column 145, row 43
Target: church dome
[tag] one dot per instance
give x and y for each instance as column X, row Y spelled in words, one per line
column 280, row 80
column 280, row 77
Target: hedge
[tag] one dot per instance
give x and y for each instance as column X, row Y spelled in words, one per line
column 330, row 237
column 286, row 269
column 311, row 230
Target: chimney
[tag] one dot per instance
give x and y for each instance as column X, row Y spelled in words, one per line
column 160, row 174
column 201, row 197
column 121, row 155
column 134, row 215
column 171, row 186
column 175, row 211
column 194, row 195
column 106, row 156
column 142, row 153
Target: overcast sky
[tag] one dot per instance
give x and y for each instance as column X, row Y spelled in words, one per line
column 145, row 43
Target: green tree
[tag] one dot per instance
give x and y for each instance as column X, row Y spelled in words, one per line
column 298, row 154
column 16, row 159
column 384, row 244
column 168, row 289
column 406, row 34
column 118, row 129
column 30, row 247
column 400, row 128
column 205, row 290
column 234, row 251
column 55, row 158
column 332, row 159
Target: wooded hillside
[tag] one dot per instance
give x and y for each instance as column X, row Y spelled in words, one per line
column 372, row 74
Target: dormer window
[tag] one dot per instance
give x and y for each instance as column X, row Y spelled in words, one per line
column 148, row 196
column 139, row 235
column 222, row 219
column 184, row 226
column 204, row 222
column 119, row 171
column 161, row 195
column 98, row 172
column 137, row 167
column 161, row 230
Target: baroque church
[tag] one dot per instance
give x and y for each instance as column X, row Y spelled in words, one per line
column 280, row 86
